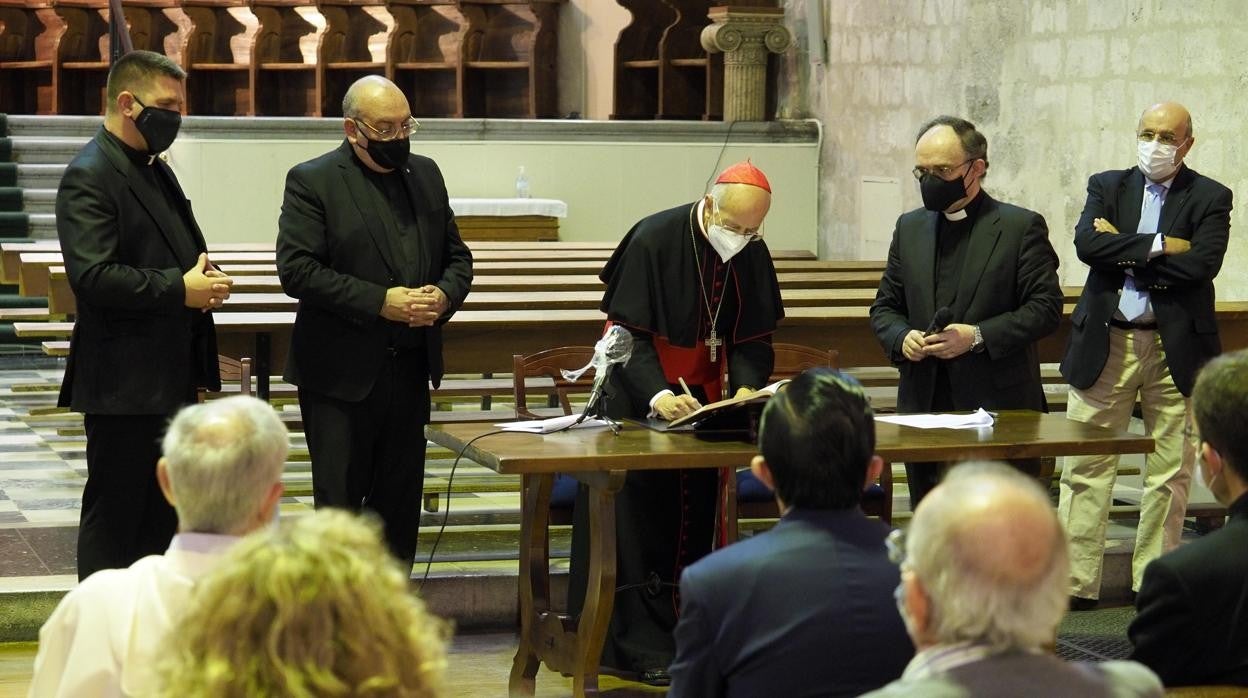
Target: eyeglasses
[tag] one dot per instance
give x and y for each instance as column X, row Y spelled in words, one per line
column 896, row 545
column 942, row 171
column 749, row 235
column 403, row 130
column 1163, row 137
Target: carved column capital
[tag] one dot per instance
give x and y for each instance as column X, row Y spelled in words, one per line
column 745, row 35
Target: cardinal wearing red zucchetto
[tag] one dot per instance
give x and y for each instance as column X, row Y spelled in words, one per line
column 696, row 287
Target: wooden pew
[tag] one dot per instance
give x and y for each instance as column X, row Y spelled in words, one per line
column 483, row 341
column 60, row 296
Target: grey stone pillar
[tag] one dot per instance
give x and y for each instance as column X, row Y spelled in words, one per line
column 745, row 35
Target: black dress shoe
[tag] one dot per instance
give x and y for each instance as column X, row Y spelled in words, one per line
column 1078, row 603
column 655, row 677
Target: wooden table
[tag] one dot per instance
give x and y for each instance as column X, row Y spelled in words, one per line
column 601, row 460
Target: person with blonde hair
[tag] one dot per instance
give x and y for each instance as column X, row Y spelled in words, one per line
column 316, row 607
column 221, row 470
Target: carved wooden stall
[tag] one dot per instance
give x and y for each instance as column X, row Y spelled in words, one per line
column 284, row 71
column 424, row 55
column 453, row 58
column 217, row 56
column 30, row 34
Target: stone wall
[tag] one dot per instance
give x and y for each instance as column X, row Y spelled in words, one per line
column 1056, row 85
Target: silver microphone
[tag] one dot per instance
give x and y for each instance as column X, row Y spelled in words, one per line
column 615, row 347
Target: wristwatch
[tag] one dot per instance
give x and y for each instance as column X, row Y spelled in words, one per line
column 977, row 344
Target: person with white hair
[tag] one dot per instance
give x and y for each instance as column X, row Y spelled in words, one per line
column 983, row 588
column 221, row 470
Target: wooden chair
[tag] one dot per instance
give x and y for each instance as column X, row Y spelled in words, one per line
column 754, row 500
column 232, row 371
column 549, row 364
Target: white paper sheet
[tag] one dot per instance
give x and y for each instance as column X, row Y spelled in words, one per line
column 976, row 420
column 545, row 426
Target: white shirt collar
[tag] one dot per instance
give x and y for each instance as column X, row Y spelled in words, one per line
column 957, row 215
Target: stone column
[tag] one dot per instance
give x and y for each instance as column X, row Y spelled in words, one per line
column 745, row 35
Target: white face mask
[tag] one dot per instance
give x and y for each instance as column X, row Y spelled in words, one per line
column 1157, row 160
column 1209, row 483
column 726, row 243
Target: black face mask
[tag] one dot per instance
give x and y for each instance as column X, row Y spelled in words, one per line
column 390, row 154
column 939, row 194
column 159, row 127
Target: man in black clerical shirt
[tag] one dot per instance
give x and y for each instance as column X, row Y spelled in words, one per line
column 990, row 265
column 696, row 287
column 143, row 341
column 368, row 244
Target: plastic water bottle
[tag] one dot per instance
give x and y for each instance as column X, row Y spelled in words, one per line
column 522, row 184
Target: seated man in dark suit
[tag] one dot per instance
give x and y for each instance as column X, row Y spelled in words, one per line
column 1192, row 626
column 781, row 613
column 983, row 587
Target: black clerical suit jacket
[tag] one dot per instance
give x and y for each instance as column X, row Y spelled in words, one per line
column 1008, row 286
column 1192, row 625
column 334, row 255
column 805, row 609
column 136, row 348
column 1197, row 209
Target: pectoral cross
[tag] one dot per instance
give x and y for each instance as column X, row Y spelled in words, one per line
column 714, row 343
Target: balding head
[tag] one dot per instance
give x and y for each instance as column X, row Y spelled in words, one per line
column 742, row 207
column 376, row 112
column 988, row 551
column 1168, row 116
column 371, row 97
column 222, row 463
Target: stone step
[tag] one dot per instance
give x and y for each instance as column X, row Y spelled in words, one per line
column 25, row 127
column 46, row 176
column 39, row 201
column 42, row 150
column 42, row 226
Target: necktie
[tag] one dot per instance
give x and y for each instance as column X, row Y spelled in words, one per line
column 1133, row 301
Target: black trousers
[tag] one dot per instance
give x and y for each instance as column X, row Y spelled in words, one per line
column 370, row 455
column 665, row 521
column 125, row 516
column 922, row 477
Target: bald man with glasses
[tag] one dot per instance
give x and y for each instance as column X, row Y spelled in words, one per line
column 368, row 244
column 1153, row 237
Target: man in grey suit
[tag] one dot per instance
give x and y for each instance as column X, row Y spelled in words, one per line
column 983, row 587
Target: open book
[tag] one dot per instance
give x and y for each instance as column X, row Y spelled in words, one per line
column 759, row 396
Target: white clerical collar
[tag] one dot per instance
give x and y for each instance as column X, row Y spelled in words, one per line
column 957, row 215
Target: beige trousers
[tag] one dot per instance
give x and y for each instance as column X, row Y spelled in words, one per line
column 1136, row 367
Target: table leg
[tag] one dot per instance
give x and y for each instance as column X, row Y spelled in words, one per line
column 263, row 364
column 728, row 524
column 591, row 633
column 534, row 579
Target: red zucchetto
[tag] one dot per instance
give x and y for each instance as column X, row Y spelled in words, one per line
column 744, row 173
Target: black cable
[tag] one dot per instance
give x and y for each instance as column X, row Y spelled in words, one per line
column 719, row 158
column 450, row 482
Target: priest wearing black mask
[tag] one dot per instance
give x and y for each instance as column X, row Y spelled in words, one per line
column 144, row 340
column 368, row 244
column 990, row 265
